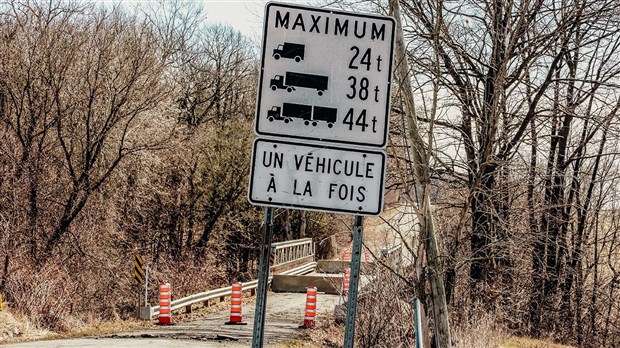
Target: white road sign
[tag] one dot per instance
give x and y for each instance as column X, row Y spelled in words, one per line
column 317, row 177
column 326, row 75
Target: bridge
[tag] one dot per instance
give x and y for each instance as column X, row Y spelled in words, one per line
column 294, row 268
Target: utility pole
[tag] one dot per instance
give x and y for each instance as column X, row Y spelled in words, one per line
column 423, row 183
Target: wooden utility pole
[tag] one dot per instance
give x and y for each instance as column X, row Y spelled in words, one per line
column 421, row 154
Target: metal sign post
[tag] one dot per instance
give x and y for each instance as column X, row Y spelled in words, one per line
column 356, row 256
column 263, row 279
column 417, row 317
column 146, row 286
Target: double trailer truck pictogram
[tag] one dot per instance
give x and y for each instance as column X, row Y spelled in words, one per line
column 310, row 114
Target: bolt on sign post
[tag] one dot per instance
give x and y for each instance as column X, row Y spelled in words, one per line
column 322, row 118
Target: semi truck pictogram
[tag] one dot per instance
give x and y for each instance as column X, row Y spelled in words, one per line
column 292, row 80
column 310, row 114
column 290, row 50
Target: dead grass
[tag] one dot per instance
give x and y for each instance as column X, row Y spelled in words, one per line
column 327, row 333
column 479, row 332
column 520, row 342
column 16, row 329
column 293, row 344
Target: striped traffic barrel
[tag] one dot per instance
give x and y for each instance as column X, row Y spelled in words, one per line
column 165, row 309
column 236, row 311
column 310, row 314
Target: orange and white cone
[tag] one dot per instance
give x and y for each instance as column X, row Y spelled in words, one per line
column 345, row 281
column 310, row 315
column 165, row 309
column 236, row 310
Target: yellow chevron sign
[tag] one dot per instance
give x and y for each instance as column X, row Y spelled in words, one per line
column 138, row 272
column 272, row 256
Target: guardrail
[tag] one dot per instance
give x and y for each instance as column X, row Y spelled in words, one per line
column 148, row 312
column 293, row 250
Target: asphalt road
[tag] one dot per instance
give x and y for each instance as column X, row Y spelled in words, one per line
column 284, row 315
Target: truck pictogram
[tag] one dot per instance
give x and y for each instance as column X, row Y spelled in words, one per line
column 290, row 50
column 310, row 114
column 293, row 79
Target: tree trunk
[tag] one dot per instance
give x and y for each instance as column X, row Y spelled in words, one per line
column 302, row 224
column 422, row 174
column 286, row 223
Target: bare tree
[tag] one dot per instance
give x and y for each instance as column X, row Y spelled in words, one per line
column 79, row 84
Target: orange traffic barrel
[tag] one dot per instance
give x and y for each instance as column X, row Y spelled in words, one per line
column 236, row 311
column 165, row 309
column 310, row 315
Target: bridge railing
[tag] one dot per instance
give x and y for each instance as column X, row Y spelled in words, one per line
column 293, row 250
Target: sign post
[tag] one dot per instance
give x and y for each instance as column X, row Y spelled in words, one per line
column 146, row 287
column 417, row 321
column 263, row 279
column 356, row 256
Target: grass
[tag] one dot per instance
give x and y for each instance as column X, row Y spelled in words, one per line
column 293, row 344
column 14, row 329
column 520, row 342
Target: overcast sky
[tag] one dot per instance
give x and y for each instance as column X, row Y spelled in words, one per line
column 243, row 15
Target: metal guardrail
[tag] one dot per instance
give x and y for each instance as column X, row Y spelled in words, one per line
column 293, row 250
column 227, row 291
